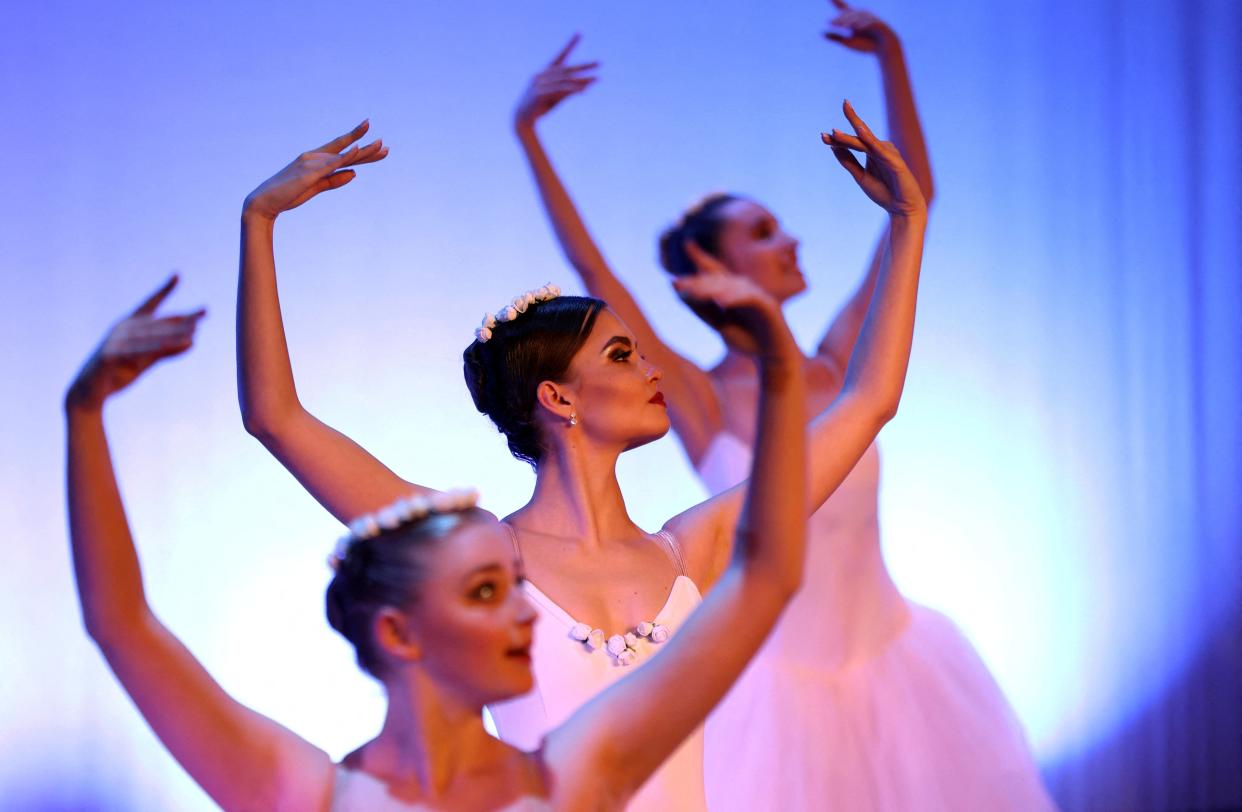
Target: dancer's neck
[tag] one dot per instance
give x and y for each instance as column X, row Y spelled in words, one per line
column 577, row 496
column 429, row 740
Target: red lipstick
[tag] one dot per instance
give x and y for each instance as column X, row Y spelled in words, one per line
column 658, row 397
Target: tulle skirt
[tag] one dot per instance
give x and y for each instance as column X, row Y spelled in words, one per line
column 921, row 725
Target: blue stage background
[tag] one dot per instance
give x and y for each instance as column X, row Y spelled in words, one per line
column 1062, row 479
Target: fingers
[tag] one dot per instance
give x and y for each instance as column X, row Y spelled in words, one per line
column 372, row 152
column 700, row 293
column 153, row 349
column 153, row 301
column 344, row 159
column 564, row 52
column 340, row 142
column 704, row 262
column 552, row 79
column 562, row 84
column 851, row 164
column 724, row 291
column 864, row 132
column 693, row 287
column 854, row 20
column 168, row 326
column 145, row 337
column 338, row 179
column 836, row 138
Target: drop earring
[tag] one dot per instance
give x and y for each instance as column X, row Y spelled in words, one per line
column 573, row 418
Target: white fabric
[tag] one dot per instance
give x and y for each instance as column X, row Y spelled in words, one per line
column 868, row 718
column 567, row 674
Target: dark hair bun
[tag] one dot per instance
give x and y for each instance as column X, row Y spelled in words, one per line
column 503, row 372
column 700, row 223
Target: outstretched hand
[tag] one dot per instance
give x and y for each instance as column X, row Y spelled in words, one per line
column 312, row 172
column 747, row 317
column 859, row 30
column 552, row 85
column 885, row 179
column 130, row 347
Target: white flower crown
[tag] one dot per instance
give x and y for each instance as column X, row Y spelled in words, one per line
column 515, row 308
column 406, row 509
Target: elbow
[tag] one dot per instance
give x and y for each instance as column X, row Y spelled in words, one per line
column 257, row 426
column 884, row 400
column 264, row 425
column 109, row 630
column 886, row 410
column 878, row 408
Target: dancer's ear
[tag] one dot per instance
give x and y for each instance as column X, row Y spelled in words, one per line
column 556, row 400
column 394, row 634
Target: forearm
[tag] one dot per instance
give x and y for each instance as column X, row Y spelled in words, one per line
column 771, row 529
column 905, row 129
column 342, row 476
column 105, row 563
column 265, row 385
column 583, row 254
column 571, row 232
column 838, row 342
column 877, row 367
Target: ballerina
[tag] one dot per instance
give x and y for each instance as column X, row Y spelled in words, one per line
column 565, row 380
column 862, row 699
column 428, row 591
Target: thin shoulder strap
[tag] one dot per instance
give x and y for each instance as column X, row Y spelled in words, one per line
column 674, row 549
column 517, row 550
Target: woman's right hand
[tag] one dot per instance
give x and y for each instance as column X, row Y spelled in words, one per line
column 551, row 85
column 313, row 172
column 746, row 316
column 129, row 349
column 885, row 179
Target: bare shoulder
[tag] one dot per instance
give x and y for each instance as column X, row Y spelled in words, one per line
column 703, row 537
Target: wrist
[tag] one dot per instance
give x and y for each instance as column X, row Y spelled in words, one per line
column 913, row 219
column 888, row 45
column 81, row 402
column 780, row 365
column 254, row 215
column 779, row 347
column 524, row 129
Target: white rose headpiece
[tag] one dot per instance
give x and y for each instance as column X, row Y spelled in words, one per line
column 410, row 508
column 514, row 309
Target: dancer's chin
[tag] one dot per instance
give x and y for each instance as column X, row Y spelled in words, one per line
column 793, row 289
column 651, row 437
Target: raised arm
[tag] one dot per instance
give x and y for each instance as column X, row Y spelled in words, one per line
column 694, row 407
column 876, row 374
column 242, row 759
column 615, row 741
column 865, row 33
column 340, row 474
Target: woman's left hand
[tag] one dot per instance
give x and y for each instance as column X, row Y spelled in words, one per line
column 860, row 30
column 131, row 347
column 885, row 179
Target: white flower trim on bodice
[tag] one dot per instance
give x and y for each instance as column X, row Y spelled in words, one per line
column 623, row 648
